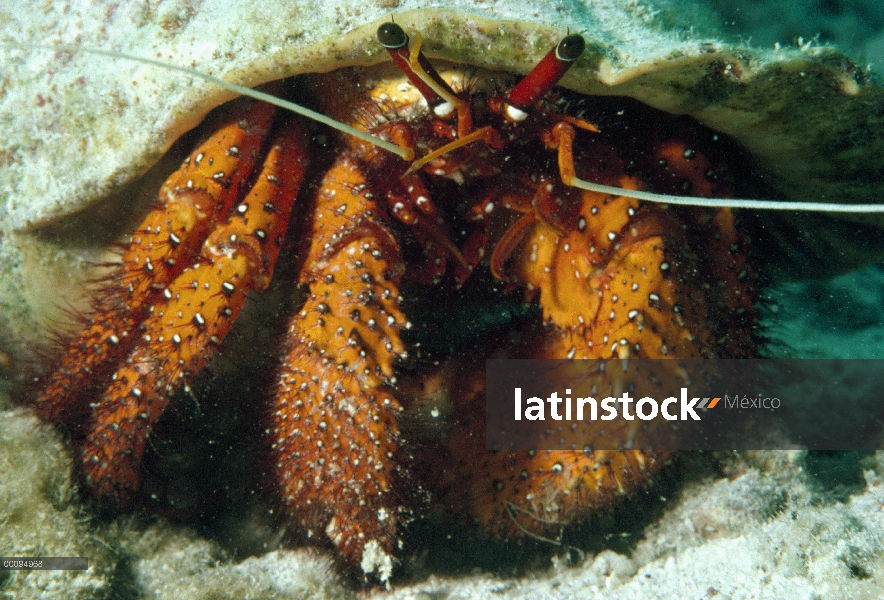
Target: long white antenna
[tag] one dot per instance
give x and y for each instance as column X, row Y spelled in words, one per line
column 727, row 202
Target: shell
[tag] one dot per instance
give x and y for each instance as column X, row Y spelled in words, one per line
column 78, row 126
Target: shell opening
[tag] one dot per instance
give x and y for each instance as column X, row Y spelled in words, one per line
column 407, row 154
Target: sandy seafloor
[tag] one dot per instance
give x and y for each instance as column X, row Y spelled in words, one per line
column 778, row 524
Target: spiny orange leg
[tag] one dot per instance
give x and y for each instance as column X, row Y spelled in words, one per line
column 334, row 424
column 191, row 202
column 186, row 327
column 623, row 280
column 625, row 285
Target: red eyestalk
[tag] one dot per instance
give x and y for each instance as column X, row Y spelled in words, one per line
column 544, row 76
column 395, row 40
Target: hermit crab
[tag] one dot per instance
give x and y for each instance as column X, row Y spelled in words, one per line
column 493, row 171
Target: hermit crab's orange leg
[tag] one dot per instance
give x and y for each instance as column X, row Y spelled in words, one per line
column 197, row 311
column 191, row 202
column 334, row 427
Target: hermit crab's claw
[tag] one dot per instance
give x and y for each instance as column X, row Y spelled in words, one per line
column 543, row 77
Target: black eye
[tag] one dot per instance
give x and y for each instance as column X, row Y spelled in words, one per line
column 391, row 36
column 569, row 49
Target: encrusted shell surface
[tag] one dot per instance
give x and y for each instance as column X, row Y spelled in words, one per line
column 78, row 126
